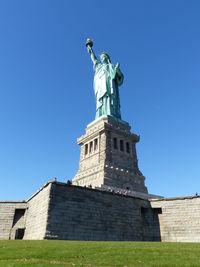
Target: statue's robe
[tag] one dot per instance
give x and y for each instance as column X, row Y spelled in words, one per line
column 106, row 90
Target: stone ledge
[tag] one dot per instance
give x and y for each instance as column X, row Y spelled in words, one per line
column 174, row 198
column 94, row 190
column 13, row 201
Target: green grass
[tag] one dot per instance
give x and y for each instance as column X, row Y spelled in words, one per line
column 80, row 253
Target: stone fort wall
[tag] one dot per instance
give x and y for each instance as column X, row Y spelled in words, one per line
column 61, row 211
column 180, row 219
column 8, row 219
column 78, row 213
column 37, row 213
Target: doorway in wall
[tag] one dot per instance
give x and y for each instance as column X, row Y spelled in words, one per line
column 19, row 233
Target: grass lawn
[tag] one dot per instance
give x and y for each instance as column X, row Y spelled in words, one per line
column 80, row 253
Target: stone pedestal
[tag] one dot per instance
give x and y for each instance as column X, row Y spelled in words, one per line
column 108, row 157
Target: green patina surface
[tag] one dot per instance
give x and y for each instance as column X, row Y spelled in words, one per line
column 80, row 253
column 107, row 79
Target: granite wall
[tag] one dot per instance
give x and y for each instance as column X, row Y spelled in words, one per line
column 37, row 213
column 108, row 156
column 179, row 219
column 62, row 211
column 10, row 218
column 77, row 213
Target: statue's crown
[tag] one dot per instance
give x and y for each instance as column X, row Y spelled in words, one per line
column 105, row 53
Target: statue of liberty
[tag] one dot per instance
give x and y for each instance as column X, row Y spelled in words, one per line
column 107, row 79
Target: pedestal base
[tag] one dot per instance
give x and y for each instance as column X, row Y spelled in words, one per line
column 108, row 156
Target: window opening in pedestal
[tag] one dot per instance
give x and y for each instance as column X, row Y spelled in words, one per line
column 95, row 144
column 115, row 143
column 91, row 147
column 86, row 149
column 127, row 147
column 121, row 145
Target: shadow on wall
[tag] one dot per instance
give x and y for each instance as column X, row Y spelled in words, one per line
column 18, row 228
column 151, row 219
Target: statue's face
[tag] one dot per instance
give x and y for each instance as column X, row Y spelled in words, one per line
column 104, row 58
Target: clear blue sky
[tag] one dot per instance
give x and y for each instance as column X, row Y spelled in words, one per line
column 46, row 88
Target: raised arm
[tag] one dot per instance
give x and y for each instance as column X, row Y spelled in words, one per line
column 89, row 45
column 92, row 55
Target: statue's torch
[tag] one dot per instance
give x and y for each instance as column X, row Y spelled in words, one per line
column 89, row 45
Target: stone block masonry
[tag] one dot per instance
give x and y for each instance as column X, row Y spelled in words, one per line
column 180, row 218
column 108, row 156
column 37, row 213
column 67, row 212
column 77, row 213
column 9, row 221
